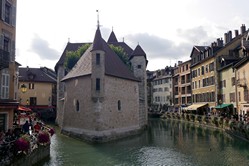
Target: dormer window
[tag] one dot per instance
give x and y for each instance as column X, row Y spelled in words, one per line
column 97, row 59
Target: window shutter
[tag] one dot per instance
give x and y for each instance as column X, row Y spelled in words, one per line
column 3, row 9
column 13, row 20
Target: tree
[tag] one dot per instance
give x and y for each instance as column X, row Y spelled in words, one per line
column 122, row 55
column 72, row 57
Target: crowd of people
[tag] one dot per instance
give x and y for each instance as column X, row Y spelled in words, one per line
column 29, row 127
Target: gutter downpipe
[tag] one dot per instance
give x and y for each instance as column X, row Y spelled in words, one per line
column 236, row 91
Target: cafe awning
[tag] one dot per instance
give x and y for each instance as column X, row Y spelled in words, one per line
column 22, row 108
column 196, row 106
column 223, row 106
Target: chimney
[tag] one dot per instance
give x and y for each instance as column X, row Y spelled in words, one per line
column 219, row 42
column 179, row 62
column 214, row 44
column 243, row 28
column 229, row 36
column 236, row 32
column 225, row 38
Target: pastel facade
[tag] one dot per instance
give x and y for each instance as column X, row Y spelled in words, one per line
column 242, row 84
column 203, row 75
column 41, row 87
column 8, row 66
column 182, row 84
column 162, row 87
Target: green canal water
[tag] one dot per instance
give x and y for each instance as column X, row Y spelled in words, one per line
column 165, row 142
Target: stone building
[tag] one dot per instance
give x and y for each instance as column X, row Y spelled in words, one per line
column 103, row 98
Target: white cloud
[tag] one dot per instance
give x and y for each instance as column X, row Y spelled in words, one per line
column 166, row 30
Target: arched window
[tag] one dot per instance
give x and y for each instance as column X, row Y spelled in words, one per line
column 119, row 105
column 77, row 106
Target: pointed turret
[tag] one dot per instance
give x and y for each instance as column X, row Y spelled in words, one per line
column 97, row 42
column 139, row 62
column 112, row 38
column 138, row 52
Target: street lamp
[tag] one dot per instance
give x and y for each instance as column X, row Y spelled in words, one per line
column 23, row 88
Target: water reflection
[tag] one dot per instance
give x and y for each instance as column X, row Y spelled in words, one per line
column 165, row 142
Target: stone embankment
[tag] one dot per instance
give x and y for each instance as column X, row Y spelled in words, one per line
column 231, row 126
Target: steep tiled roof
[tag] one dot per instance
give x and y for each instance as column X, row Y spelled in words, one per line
column 83, row 67
column 37, row 75
column 97, row 42
column 138, row 52
column 114, row 66
column 112, row 38
column 201, row 48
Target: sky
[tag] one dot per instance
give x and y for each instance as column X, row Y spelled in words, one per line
column 167, row 30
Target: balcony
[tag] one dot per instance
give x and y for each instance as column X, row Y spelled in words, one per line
column 4, row 59
column 242, row 82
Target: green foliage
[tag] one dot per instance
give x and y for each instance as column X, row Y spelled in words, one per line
column 72, row 57
column 122, row 55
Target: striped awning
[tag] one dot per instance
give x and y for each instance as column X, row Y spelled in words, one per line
column 196, row 106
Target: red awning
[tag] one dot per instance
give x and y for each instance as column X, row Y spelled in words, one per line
column 22, row 108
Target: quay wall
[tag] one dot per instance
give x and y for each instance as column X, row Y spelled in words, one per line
column 37, row 155
column 231, row 126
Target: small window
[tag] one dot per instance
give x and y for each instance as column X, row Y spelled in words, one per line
column 97, row 59
column 31, row 86
column 6, row 44
column 97, row 84
column 139, row 66
column 7, row 13
column 77, row 106
column 119, row 105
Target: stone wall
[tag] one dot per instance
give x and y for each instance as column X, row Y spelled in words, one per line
column 100, row 118
column 37, row 155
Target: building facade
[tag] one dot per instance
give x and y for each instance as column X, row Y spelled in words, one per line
column 241, row 86
column 203, row 76
column 41, row 87
column 8, row 66
column 162, row 89
column 103, row 98
column 185, row 83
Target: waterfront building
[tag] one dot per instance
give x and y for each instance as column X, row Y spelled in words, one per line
column 8, row 66
column 226, row 74
column 242, row 84
column 41, row 87
column 232, row 51
column 206, row 63
column 162, row 89
column 182, row 85
column 104, row 99
column 203, row 77
column 150, row 77
column 61, row 71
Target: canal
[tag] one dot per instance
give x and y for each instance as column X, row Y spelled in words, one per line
column 165, row 142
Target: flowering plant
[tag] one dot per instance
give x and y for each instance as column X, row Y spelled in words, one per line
column 51, row 131
column 43, row 138
column 22, row 144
